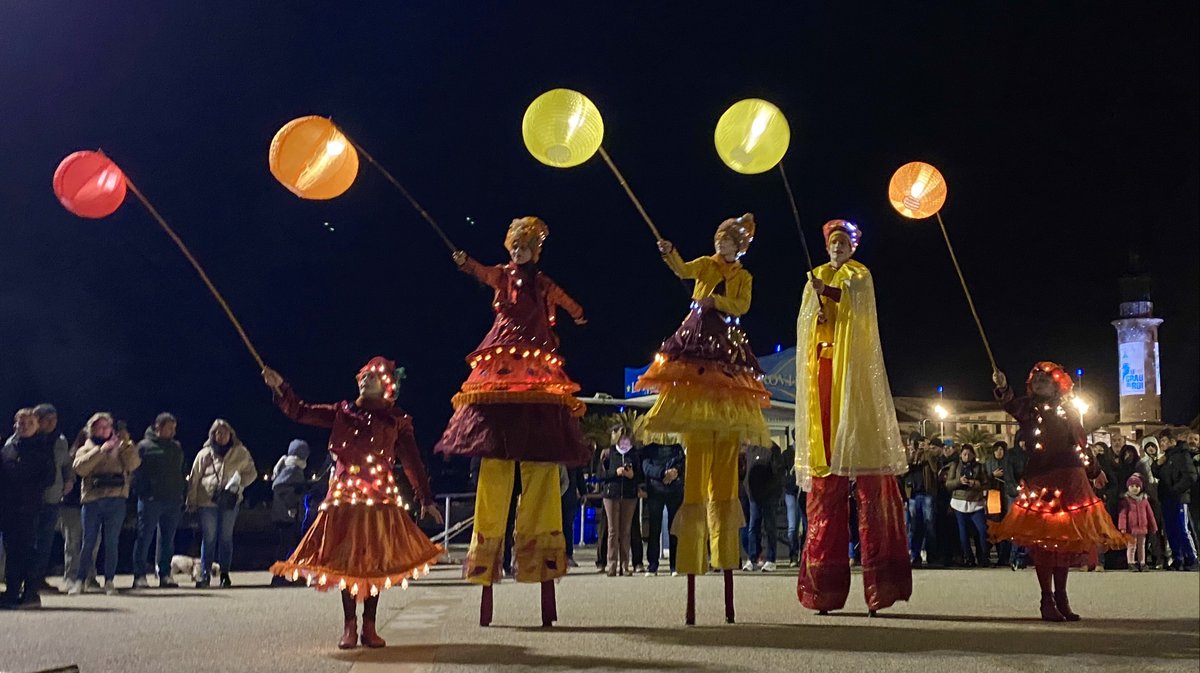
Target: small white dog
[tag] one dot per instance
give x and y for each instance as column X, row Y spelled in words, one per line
column 190, row 566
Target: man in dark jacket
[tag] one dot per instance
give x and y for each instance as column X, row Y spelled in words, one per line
column 1176, row 473
column 576, row 489
column 26, row 469
column 159, row 484
column 764, row 485
column 921, row 482
column 662, row 465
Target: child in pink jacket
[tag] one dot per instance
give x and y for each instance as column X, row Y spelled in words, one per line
column 1136, row 520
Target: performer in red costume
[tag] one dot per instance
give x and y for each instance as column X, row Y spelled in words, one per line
column 517, row 413
column 846, row 430
column 362, row 541
column 1056, row 513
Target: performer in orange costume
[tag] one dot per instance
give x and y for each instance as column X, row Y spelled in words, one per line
column 1056, row 513
column 846, row 429
column 362, row 541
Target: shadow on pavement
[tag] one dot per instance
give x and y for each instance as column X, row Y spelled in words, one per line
column 489, row 655
column 80, row 608
column 1170, row 639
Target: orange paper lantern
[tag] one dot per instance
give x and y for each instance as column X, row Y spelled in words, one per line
column 917, row 190
column 313, row 159
column 993, row 502
column 89, row 184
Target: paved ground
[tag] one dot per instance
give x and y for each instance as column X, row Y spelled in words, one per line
column 959, row 621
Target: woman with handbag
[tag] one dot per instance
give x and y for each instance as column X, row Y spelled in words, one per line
column 220, row 474
column 104, row 464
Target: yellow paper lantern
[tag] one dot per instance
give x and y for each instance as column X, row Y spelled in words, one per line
column 752, row 136
column 313, row 159
column 562, row 128
column 917, row 190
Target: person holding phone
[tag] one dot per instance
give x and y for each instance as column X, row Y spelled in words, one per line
column 621, row 474
column 104, row 463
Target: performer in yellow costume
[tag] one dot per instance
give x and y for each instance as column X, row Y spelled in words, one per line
column 846, row 430
column 711, row 394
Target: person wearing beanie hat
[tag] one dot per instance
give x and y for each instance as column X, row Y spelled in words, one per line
column 288, row 484
column 362, row 541
column 518, row 415
column 1137, row 521
column 710, row 393
column 847, row 436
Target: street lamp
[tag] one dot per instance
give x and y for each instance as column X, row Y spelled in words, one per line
column 1081, row 405
column 941, row 413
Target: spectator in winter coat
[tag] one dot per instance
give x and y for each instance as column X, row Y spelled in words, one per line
column 921, row 483
column 576, row 489
column 220, row 474
column 1005, row 478
column 947, row 524
column 662, row 465
column 969, row 482
column 26, row 469
column 796, row 504
column 1137, row 521
column 621, row 475
column 289, row 481
column 1176, row 473
column 105, row 462
column 159, row 485
column 764, row 486
column 47, row 520
column 71, row 522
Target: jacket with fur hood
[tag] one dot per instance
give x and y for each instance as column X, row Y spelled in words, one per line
column 212, row 471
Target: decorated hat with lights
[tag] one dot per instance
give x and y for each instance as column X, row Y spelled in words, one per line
column 847, row 227
column 1062, row 380
column 389, row 376
column 740, row 230
column 527, row 232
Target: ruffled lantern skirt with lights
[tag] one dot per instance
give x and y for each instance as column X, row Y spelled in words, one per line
column 360, row 547
column 517, row 407
column 517, row 404
column 707, row 380
column 710, row 393
column 1058, row 516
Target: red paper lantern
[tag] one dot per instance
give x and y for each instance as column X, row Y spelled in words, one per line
column 89, row 184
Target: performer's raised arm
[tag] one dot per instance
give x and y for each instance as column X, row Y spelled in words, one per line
column 488, row 275
column 319, row 415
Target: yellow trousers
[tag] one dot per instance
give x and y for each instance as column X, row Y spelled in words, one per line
column 539, row 549
column 710, row 518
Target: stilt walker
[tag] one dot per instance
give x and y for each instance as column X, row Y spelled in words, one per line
column 846, row 430
column 517, row 413
column 362, row 541
column 1056, row 513
column 710, row 393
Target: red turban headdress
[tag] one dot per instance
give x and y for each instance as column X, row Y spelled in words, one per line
column 845, row 226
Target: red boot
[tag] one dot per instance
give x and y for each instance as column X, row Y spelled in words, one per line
column 349, row 639
column 1064, row 608
column 370, row 638
column 1050, row 611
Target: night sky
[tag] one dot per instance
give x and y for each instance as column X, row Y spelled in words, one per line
column 1067, row 132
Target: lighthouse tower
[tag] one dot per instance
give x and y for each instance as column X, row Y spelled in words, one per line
column 1139, row 380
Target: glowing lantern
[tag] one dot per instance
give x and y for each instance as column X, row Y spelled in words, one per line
column 752, row 136
column 917, row 190
column 89, row 184
column 562, row 128
column 313, row 159
column 993, row 502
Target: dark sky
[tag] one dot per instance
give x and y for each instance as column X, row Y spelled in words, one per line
column 1067, row 132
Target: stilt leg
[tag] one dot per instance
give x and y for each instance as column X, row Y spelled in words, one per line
column 485, row 606
column 690, row 615
column 549, row 607
column 728, row 596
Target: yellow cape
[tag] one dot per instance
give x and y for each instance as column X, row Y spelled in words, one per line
column 864, row 431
